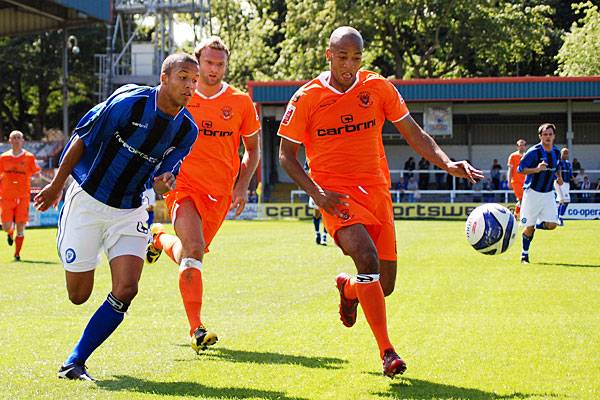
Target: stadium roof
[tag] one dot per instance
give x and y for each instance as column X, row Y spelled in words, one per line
column 459, row 90
column 30, row 16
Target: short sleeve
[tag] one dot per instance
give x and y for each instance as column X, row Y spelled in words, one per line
column 33, row 167
column 294, row 124
column 394, row 107
column 529, row 160
column 250, row 123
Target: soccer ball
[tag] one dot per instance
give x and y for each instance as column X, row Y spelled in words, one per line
column 491, row 229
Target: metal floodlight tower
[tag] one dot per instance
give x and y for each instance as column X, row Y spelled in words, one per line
column 128, row 61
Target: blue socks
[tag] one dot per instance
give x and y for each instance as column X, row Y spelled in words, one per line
column 102, row 324
column 526, row 243
column 317, row 224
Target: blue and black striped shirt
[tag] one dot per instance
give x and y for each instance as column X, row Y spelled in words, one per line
column 542, row 181
column 128, row 141
column 566, row 170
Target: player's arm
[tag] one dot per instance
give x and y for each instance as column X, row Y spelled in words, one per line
column 526, row 165
column 509, row 172
column 50, row 194
column 424, row 144
column 325, row 199
column 247, row 168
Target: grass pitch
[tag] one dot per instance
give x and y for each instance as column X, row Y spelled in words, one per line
column 469, row 326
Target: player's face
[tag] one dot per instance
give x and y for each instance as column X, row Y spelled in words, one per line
column 564, row 154
column 345, row 59
column 521, row 147
column 547, row 137
column 181, row 83
column 16, row 141
column 213, row 64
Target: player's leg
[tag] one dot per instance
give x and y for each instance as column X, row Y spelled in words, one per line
column 356, row 242
column 317, row 225
column 21, row 218
column 8, row 217
column 388, row 276
column 530, row 211
column 548, row 218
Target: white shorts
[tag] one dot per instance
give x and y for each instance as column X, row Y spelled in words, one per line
column 149, row 197
column 86, row 226
column 538, row 207
column 311, row 203
column 562, row 192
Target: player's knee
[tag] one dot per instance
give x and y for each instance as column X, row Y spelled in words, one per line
column 367, row 262
column 78, row 298
column 388, row 288
column 126, row 292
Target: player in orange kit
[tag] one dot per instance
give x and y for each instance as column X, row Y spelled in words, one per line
column 515, row 178
column 17, row 166
column 338, row 117
column 206, row 185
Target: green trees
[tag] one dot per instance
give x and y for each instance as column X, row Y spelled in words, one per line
column 580, row 53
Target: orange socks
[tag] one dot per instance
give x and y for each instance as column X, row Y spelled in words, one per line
column 370, row 297
column 18, row 244
column 190, row 286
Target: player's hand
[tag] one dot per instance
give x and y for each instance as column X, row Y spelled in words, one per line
column 330, row 202
column 542, row 166
column 462, row 169
column 47, row 197
column 164, row 182
column 239, row 198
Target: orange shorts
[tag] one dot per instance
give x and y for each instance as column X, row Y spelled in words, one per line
column 212, row 210
column 518, row 189
column 15, row 209
column 370, row 206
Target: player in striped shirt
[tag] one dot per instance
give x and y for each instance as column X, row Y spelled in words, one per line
column 138, row 134
column 539, row 164
column 562, row 191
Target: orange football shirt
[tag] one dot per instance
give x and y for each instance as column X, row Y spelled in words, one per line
column 16, row 174
column 513, row 161
column 342, row 131
column 213, row 163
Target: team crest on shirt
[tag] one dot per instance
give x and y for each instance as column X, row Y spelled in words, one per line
column 289, row 113
column 345, row 215
column 365, row 99
column 227, row 113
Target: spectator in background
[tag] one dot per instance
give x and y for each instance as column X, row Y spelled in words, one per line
column 401, row 186
column 586, row 185
column 576, row 167
column 495, row 174
column 424, row 176
column 409, row 165
column 503, row 183
column 252, row 196
column 412, row 185
column 439, row 178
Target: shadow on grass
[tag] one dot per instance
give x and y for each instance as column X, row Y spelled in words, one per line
column 241, row 356
column 36, row 262
column 417, row 389
column 568, row 265
column 124, row 383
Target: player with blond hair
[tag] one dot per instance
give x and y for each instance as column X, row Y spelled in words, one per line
column 207, row 187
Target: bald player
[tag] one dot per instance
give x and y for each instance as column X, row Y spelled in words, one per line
column 17, row 166
column 338, row 117
column 211, row 181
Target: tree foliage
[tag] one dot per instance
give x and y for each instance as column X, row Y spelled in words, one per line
column 579, row 55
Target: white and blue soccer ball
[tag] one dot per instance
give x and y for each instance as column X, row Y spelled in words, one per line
column 491, row 228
